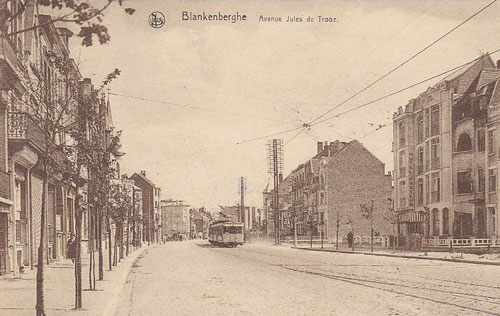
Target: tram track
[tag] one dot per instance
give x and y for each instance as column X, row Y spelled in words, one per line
column 429, row 291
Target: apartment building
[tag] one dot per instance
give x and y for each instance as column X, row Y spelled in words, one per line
column 446, row 157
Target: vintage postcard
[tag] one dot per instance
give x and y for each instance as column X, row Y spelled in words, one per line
column 288, row 158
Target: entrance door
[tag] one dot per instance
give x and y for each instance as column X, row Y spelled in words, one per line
column 3, row 243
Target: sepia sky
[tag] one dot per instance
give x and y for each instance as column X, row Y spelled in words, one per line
column 221, row 83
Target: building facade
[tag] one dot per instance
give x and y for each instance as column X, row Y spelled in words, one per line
column 151, row 217
column 176, row 219
column 446, row 157
column 36, row 70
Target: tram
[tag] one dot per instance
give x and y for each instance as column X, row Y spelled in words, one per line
column 226, row 234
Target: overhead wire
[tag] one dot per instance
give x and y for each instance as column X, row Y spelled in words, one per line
column 315, row 121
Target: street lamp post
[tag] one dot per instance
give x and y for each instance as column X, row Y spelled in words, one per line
column 427, row 220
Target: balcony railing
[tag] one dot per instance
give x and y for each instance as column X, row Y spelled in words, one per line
column 17, row 123
column 22, row 126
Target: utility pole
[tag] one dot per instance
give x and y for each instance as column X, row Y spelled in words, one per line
column 275, row 166
column 242, row 193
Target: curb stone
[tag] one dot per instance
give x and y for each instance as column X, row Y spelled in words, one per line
column 403, row 256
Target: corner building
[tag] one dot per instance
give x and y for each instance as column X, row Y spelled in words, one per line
column 446, row 157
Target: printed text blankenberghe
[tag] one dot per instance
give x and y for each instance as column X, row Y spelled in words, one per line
column 233, row 18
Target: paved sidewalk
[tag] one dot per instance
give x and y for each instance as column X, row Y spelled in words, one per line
column 456, row 256
column 18, row 295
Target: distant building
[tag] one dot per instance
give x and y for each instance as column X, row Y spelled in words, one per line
column 150, row 207
column 235, row 215
column 286, row 222
column 176, row 220
column 333, row 184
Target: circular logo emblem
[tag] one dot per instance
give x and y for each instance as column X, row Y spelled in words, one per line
column 156, row 19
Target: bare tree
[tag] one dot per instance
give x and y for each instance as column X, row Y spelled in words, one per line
column 391, row 217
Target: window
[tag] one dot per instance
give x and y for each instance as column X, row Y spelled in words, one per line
column 435, row 188
column 464, row 182
column 480, row 140
column 480, row 180
column 492, row 180
column 402, row 194
column 420, row 188
column 428, row 186
column 420, row 129
column 427, row 122
column 435, row 222
column 402, row 139
column 420, row 160
column 491, row 142
column 435, row 120
column 402, row 164
column 435, row 162
column 464, row 143
column 446, row 221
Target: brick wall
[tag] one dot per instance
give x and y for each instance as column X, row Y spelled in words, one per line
column 355, row 176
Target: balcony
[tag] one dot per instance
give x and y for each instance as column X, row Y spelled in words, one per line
column 21, row 127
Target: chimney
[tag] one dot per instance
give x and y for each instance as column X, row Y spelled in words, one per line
column 320, row 147
column 143, row 172
column 280, row 177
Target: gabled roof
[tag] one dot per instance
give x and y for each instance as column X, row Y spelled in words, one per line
column 141, row 176
column 348, row 146
column 487, row 76
column 483, row 60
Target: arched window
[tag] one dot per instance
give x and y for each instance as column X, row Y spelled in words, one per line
column 464, row 143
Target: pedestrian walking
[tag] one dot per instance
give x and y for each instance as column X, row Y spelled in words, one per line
column 350, row 239
column 71, row 248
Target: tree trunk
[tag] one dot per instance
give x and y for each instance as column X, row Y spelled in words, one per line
column 115, row 248
column 128, row 230
column 121, row 241
column 108, row 223
column 78, row 250
column 91, row 246
column 40, row 304
column 99, row 244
